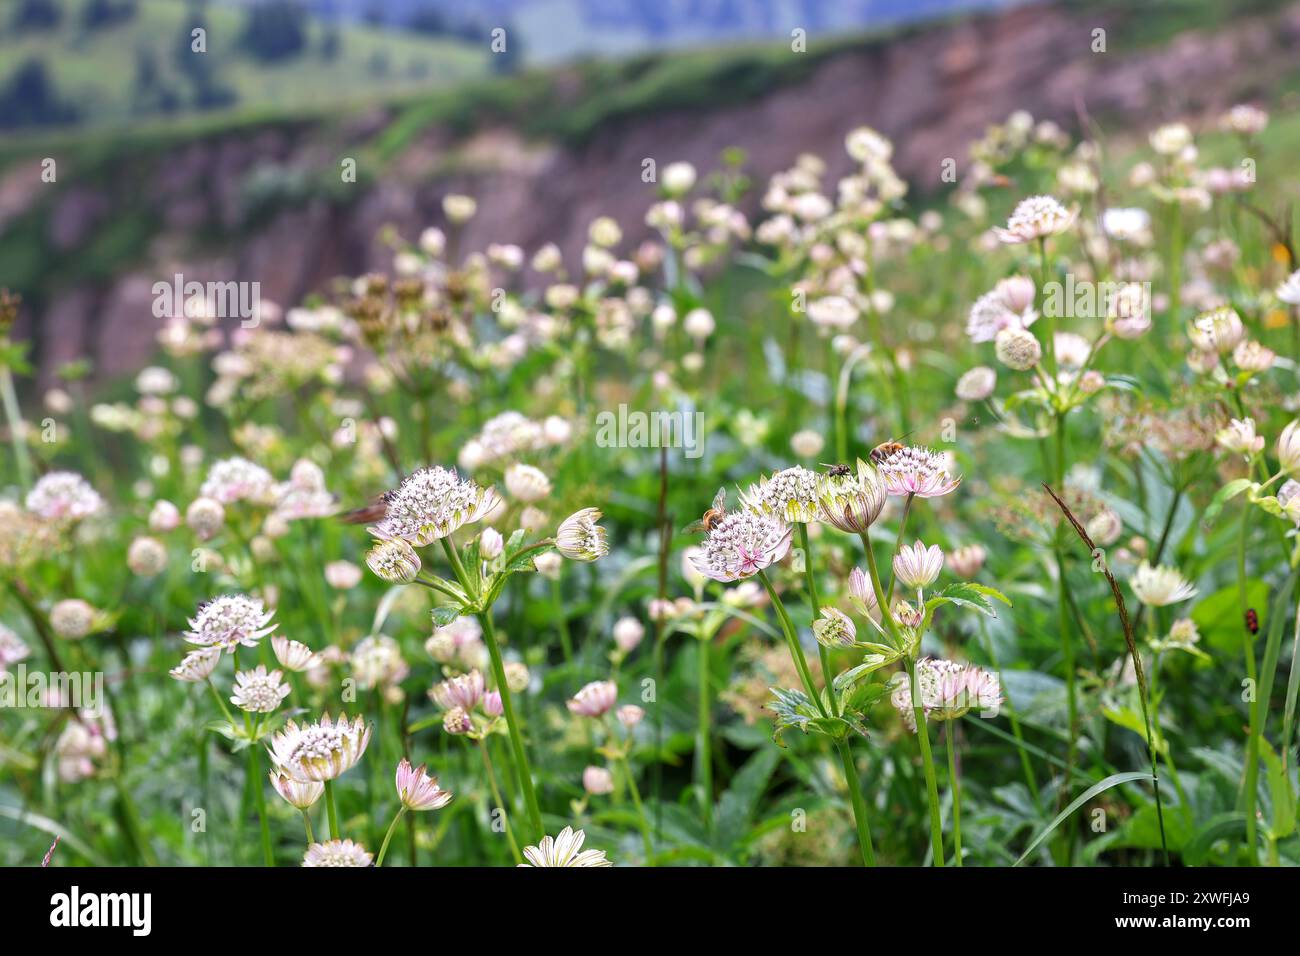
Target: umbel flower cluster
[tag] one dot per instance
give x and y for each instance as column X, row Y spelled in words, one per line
column 1016, row 515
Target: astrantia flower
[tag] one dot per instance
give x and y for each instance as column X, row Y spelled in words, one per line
column 741, row 545
column 832, row 313
column 229, row 621
column 1240, row 437
column 1035, row 218
column 913, row 470
column 628, row 633
column 1160, row 586
column 12, row 648
column 564, row 850
column 967, row 560
column 1251, row 356
column 580, row 538
column 861, row 593
column 790, row 494
column 1184, row 632
column 258, row 691
column 238, row 479
column 851, row 502
column 1008, row 306
column 294, row 655
column 377, row 662
column 1126, row 224
column 1128, row 311
column 301, row 794
column 197, row 665
column 1289, row 290
column 1288, row 449
column 146, row 557
column 336, row 853
column 834, row 628
column 431, row 504
column 73, row 618
column 918, row 566
column 977, row 384
column 629, row 715
column 1218, row 330
column 948, row 690
column 394, row 561
column 63, row 496
column 205, row 517
column 305, row 494
column 526, row 483
column 1017, row 349
column 594, row 699
column 597, row 781
column 464, row 691
column 417, row 790
column 320, row 751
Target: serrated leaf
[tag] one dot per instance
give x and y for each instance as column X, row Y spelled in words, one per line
column 444, row 614
column 1224, row 495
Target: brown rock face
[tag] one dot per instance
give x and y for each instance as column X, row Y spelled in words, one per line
column 931, row 91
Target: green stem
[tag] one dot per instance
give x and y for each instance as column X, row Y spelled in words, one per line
column 859, row 804
column 1248, row 647
column 792, row 640
column 823, row 652
column 954, row 784
column 496, row 796
column 703, row 752
column 17, row 434
column 927, row 760
column 255, row 779
column 306, row 822
column 640, row 811
column 383, row 847
column 331, row 810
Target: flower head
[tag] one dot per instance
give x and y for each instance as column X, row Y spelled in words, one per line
column 1017, row 349
column 336, row 853
column 861, row 593
column 1218, row 330
column 228, row 621
column 948, row 690
column 431, row 504
column 417, row 790
column 851, row 500
column 301, row 794
column 977, row 384
column 258, row 691
column 1009, row 305
column 1288, row 449
column 913, row 470
column 294, row 655
column 918, row 566
column 1240, row 437
column 597, row 781
column 834, row 628
column 790, row 494
column 1160, row 585
column 580, row 538
column 742, row 544
column 377, row 662
column 12, row 648
column 238, row 479
column 1035, row 218
column 320, row 751
column 967, row 560
column 63, row 496
column 73, row 618
column 594, row 699
column 197, row 665
column 464, row 691
column 564, row 850
column 393, row 560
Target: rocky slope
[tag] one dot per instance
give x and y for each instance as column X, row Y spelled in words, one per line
column 931, row 90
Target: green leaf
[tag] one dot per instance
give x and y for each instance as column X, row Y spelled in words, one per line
column 1114, row 780
column 1224, row 495
column 444, row 614
column 1218, row 617
column 1222, row 826
column 736, row 806
column 968, row 594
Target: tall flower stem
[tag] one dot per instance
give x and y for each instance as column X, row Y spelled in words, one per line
column 255, row 779
column 17, row 435
column 306, row 822
column 392, row 827
column 927, row 761
column 792, row 639
column 954, row 784
column 525, row 773
column 640, row 810
column 496, row 796
column 507, row 706
column 859, row 804
column 1249, row 782
column 703, row 750
column 814, row 602
column 1063, row 626
column 331, row 810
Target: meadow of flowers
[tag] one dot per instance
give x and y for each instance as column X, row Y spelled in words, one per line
column 863, row 530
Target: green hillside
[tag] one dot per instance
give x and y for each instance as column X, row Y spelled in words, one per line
column 142, row 65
